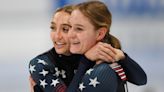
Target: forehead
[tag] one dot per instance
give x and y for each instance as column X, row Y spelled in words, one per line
column 77, row 16
column 60, row 18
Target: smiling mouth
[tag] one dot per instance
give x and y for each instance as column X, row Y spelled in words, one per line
column 59, row 43
column 75, row 43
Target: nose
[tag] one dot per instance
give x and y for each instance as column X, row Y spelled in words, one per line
column 71, row 34
column 58, row 35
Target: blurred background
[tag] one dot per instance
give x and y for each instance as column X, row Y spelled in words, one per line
column 25, row 28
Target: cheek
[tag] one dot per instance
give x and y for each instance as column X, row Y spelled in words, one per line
column 52, row 36
column 88, row 42
column 66, row 38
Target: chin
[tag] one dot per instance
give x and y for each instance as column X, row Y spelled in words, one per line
column 60, row 51
column 75, row 51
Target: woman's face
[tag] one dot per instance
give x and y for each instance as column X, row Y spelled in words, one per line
column 82, row 35
column 59, row 33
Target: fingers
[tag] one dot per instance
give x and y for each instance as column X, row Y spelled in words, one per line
column 105, row 56
column 104, row 52
column 32, row 84
column 106, row 45
column 120, row 55
column 109, row 50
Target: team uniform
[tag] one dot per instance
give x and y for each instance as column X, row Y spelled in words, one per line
column 58, row 73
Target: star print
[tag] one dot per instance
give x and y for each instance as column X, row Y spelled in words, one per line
column 32, row 68
column 42, row 62
column 44, row 72
column 57, row 72
column 63, row 74
column 94, row 82
column 81, row 86
column 89, row 71
column 54, row 82
column 43, row 83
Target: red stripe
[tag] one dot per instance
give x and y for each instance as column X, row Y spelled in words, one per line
column 60, row 88
column 118, row 69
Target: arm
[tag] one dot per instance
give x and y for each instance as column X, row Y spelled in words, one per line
column 134, row 72
column 100, row 78
column 106, row 53
column 44, row 76
column 107, row 79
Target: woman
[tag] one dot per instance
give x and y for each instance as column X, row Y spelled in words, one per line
column 53, row 70
column 90, row 23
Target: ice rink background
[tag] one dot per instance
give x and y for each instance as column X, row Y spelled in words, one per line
column 24, row 33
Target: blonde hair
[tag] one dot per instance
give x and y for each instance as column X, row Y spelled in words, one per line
column 99, row 15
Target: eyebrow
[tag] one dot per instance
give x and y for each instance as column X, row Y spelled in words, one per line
column 52, row 23
column 79, row 25
column 66, row 25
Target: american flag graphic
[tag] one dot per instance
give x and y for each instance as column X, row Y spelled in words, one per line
column 119, row 70
column 100, row 78
column 50, row 78
column 46, row 76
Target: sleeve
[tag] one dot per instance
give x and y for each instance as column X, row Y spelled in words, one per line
column 100, row 78
column 45, row 77
column 135, row 74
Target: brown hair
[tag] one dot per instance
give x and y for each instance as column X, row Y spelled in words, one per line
column 99, row 15
column 67, row 8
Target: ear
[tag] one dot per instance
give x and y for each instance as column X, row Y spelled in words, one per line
column 101, row 33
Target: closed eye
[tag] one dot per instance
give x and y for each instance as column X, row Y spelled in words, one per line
column 79, row 29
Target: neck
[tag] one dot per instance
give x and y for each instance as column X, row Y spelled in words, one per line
column 67, row 54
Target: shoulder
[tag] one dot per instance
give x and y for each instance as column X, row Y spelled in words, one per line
column 100, row 78
column 40, row 58
column 45, row 56
column 103, row 68
column 40, row 62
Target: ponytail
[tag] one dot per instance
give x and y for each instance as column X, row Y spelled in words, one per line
column 112, row 40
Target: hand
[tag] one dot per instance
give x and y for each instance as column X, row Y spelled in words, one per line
column 32, row 84
column 119, row 54
column 104, row 52
column 101, row 51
